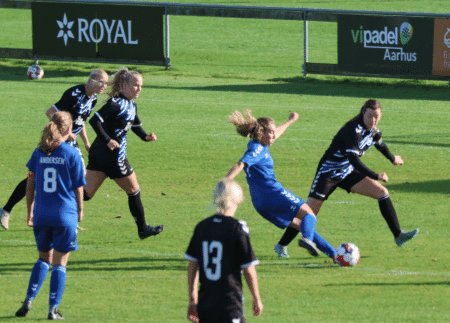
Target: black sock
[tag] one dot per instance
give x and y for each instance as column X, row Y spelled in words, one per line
column 288, row 236
column 137, row 210
column 389, row 214
column 19, row 193
column 86, row 197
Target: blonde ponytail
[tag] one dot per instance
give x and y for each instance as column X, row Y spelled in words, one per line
column 123, row 75
column 54, row 131
column 249, row 126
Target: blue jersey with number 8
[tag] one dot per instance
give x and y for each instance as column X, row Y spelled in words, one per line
column 55, row 179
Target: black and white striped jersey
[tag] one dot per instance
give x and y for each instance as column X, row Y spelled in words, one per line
column 78, row 104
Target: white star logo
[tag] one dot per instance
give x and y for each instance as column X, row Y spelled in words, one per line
column 65, row 25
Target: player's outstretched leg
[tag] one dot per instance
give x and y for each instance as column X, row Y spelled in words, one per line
column 404, row 237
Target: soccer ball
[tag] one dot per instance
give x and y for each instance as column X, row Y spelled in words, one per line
column 347, row 254
column 35, row 72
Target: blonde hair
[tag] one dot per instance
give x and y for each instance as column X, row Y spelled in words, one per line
column 123, row 75
column 249, row 126
column 54, row 131
column 227, row 192
column 97, row 74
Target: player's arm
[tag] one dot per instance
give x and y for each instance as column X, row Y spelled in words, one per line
column 140, row 132
column 85, row 138
column 363, row 169
column 381, row 146
column 192, row 278
column 30, row 198
column 79, row 192
column 252, row 282
column 97, row 124
column 235, row 170
column 282, row 128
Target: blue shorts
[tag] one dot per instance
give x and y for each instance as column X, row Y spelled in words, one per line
column 279, row 207
column 62, row 239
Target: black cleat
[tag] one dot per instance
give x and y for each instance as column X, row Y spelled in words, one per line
column 24, row 309
column 54, row 314
column 151, row 231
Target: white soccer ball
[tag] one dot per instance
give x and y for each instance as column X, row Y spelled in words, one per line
column 35, row 72
column 347, row 254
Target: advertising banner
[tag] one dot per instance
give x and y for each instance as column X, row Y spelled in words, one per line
column 93, row 31
column 441, row 47
column 385, row 44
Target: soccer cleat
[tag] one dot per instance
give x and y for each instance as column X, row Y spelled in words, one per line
column 54, row 314
column 404, row 237
column 4, row 216
column 24, row 309
column 151, row 231
column 310, row 246
column 281, row 251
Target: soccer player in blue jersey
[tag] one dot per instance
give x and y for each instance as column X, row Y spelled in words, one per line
column 342, row 167
column 219, row 249
column 57, row 177
column 79, row 101
column 108, row 153
column 270, row 199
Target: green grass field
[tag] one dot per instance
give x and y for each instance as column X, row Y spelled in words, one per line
column 219, row 65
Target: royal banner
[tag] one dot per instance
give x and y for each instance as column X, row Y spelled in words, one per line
column 385, row 45
column 92, row 31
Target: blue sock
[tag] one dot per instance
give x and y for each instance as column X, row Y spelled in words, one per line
column 323, row 245
column 37, row 278
column 57, row 283
column 308, row 226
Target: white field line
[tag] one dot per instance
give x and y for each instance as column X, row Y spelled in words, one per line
column 229, row 134
column 394, row 110
column 369, row 271
column 201, row 101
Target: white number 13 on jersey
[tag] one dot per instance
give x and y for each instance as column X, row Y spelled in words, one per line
column 50, row 180
column 208, row 250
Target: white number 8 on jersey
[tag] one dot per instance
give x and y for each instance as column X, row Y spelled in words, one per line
column 50, row 180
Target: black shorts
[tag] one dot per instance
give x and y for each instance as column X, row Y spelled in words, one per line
column 323, row 185
column 106, row 161
column 223, row 319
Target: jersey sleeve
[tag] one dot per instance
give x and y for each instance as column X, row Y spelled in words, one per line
column 349, row 140
column 137, row 128
column 190, row 252
column 245, row 255
column 77, row 171
column 68, row 100
column 32, row 162
column 253, row 154
column 381, row 146
column 108, row 111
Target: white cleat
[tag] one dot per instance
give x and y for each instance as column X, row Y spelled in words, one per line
column 281, row 251
column 404, row 237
